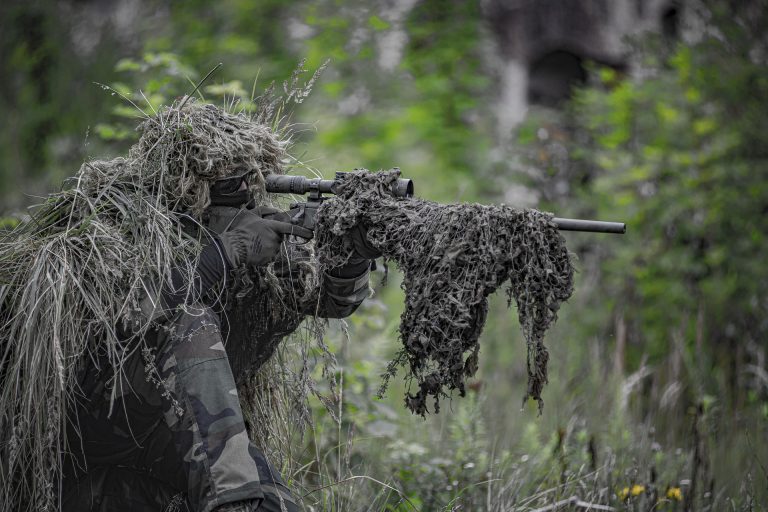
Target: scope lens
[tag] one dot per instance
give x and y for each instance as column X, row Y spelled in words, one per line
column 403, row 188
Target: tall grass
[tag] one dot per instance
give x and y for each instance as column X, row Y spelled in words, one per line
column 605, row 441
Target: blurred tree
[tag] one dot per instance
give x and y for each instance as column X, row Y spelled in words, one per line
column 50, row 52
column 422, row 104
column 423, row 66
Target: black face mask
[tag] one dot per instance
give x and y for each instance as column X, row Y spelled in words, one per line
column 235, row 199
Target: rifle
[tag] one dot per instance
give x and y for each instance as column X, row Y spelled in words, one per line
column 403, row 187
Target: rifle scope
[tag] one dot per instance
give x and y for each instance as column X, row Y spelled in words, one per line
column 283, row 184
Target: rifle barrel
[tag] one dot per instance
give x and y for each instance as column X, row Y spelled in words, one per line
column 594, row 226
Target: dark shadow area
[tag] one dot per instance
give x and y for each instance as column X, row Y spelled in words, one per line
column 553, row 75
column 670, row 22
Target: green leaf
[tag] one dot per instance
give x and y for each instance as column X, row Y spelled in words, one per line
column 233, row 88
column 127, row 65
column 113, row 133
column 377, row 23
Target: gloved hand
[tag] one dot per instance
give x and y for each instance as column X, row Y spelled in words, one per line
column 253, row 237
column 360, row 260
column 363, row 248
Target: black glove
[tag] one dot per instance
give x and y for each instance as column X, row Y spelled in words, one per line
column 253, row 237
column 360, row 260
column 363, row 248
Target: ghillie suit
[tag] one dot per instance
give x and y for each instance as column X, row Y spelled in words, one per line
column 453, row 257
column 74, row 279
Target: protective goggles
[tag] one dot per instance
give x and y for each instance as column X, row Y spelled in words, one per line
column 231, row 184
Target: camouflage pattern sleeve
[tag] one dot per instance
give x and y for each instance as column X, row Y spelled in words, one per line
column 341, row 296
column 177, row 436
column 339, row 293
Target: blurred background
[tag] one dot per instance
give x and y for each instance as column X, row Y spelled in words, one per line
column 650, row 112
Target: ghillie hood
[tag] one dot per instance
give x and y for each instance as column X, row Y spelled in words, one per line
column 71, row 277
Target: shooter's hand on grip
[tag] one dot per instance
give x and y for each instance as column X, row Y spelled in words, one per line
column 253, row 237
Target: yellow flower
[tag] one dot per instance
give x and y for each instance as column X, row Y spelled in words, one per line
column 626, row 492
column 674, row 493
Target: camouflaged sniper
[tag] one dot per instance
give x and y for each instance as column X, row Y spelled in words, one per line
column 72, row 281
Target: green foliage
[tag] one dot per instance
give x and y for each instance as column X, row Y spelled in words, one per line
column 47, row 97
column 425, row 110
column 677, row 151
column 7, row 223
column 682, row 161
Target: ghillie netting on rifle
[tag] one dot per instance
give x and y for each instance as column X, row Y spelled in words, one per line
column 73, row 275
column 453, row 257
